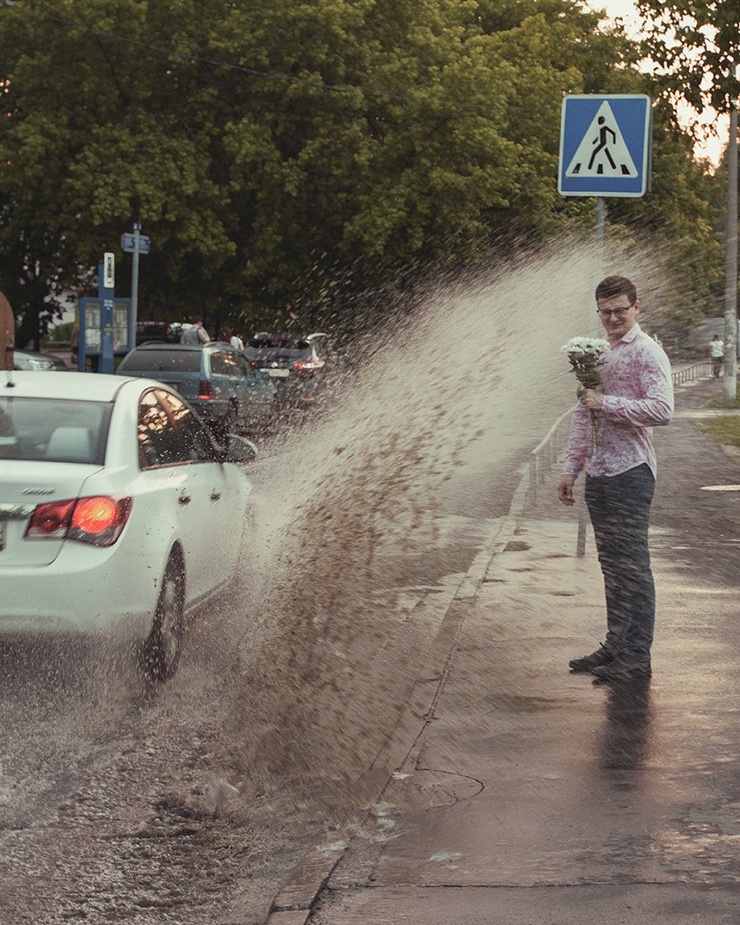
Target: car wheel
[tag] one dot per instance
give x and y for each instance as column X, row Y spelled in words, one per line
column 162, row 648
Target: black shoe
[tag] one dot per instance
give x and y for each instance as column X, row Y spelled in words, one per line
column 601, row 656
column 622, row 669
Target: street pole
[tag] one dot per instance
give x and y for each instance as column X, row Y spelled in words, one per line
column 600, row 243
column 134, row 288
column 600, row 224
column 730, row 362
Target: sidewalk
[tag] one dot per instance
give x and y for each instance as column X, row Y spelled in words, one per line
column 535, row 796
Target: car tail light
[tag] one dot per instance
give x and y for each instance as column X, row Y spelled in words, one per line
column 98, row 520
column 205, row 390
column 309, row 364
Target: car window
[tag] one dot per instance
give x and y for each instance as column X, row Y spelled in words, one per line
column 226, row 363
column 235, row 365
column 195, row 439
column 169, row 433
column 300, row 352
column 55, row 429
column 161, row 361
column 278, row 348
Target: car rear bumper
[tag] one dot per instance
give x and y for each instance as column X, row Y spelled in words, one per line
column 92, row 594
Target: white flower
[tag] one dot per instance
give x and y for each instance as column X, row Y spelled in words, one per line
column 586, row 346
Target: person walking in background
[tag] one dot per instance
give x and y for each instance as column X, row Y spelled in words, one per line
column 196, row 333
column 227, row 336
column 619, row 460
column 716, row 354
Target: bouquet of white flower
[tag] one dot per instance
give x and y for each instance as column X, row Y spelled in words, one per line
column 584, row 354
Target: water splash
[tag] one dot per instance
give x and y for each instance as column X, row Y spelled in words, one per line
column 434, row 424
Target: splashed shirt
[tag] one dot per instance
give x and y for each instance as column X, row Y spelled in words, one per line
column 638, row 395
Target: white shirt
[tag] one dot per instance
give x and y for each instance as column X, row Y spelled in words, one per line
column 638, row 394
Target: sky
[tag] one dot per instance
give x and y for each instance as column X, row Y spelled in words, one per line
column 714, row 144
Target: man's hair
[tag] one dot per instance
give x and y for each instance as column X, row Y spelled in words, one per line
column 616, row 285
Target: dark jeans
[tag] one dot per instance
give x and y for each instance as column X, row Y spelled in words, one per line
column 619, row 507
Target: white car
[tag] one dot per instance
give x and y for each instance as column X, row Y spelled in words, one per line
column 118, row 512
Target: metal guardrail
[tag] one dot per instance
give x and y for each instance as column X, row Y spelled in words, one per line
column 695, row 371
column 545, row 456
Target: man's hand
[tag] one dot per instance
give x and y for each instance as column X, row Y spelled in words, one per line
column 565, row 489
column 591, row 398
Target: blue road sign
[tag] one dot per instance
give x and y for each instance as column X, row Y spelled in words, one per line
column 605, row 145
column 128, row 243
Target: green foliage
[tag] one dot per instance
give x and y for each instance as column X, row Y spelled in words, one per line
column 724, row 403
column 59, row 335
column 724, row 429
column 303, row 152
column 690, row 40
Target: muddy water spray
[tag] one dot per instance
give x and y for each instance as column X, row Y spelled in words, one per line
column 473, row 377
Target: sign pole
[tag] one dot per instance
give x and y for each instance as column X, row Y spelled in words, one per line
column 600, row 223
column 600, row 240
column 134, row 288
column 730, row 362
column 106, row 294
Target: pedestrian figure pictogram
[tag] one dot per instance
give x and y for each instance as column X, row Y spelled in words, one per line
column 603, row 140
column 603, row 151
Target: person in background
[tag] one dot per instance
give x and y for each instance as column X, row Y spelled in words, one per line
column 227, row 336
column 196, row 334
column 716, row 354
column 618, row 456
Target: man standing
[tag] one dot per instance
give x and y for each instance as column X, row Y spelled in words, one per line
column 196, row 333
column 619, row 459
column 716, row 354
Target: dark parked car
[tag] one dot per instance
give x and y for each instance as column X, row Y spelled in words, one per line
column 215, row 379
column 148, row 332
column 295, row 364
column 34, row 360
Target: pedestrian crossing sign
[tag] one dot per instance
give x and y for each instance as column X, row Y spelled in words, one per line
column 605, row 145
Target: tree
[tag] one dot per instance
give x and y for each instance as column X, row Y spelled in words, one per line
column 272, row 149
column 696, row 44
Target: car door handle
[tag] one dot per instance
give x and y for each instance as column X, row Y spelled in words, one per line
column 215, row 495
column 184, row 499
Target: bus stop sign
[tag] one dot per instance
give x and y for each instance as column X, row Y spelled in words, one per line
column 605, row 145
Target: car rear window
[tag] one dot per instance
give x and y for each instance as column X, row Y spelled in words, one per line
column 187, row 361
column 55, row 430
column 277, row 348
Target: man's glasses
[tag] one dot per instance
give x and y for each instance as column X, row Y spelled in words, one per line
column 617, row 312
